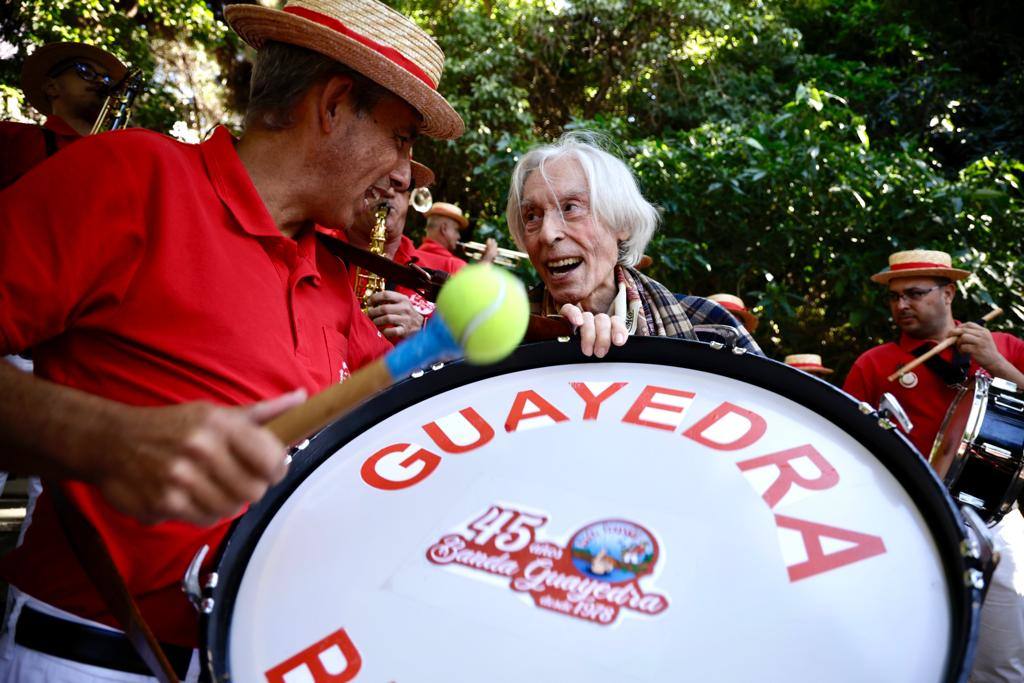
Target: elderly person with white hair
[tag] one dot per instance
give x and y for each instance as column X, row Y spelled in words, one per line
column 579, row 214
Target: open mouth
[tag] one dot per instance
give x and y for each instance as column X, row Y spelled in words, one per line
column 564, row 265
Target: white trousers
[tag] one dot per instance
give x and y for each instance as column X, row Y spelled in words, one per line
column 1000, row 654
column 21, row 665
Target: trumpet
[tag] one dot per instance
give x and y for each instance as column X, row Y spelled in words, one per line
column 117, row 106
column 508, row 258
column 421, row 200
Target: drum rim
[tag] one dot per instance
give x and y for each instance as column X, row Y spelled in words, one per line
column 978, row 388
column 916, row 477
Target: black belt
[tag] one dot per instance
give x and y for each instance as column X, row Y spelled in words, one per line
column 88, row 644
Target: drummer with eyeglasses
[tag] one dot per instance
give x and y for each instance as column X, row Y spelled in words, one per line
column 578, row 213
column 921, row 291
column 67, row 83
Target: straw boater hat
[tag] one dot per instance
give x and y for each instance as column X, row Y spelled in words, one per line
column 366, row 35
column 920, row 263
column 38, row 65
column 735, row 305
column 421, row 175
column 808, row 362
column 448, row 211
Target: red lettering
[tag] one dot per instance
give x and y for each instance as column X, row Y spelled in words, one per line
column 428, row 463
column 646, row 400
column 517, row 414
column 817, row 561
column 334, row 659
column 788, row 474
column 593, row 403
column 754, row 432
column 484, row 433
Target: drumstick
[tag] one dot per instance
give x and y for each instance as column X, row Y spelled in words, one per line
column 434, row 343
column 939, row 348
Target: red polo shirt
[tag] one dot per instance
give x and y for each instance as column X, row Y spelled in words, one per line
column 158, row 278
column 433, row 255
column 925, row 401
column 24, row 145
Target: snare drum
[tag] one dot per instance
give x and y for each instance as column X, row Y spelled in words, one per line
column 674, row 512
column 980, row 446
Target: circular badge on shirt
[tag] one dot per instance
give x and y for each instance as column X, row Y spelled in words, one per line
column 909, row 380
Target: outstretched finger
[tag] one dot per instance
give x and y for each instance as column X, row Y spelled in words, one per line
column 602, row 335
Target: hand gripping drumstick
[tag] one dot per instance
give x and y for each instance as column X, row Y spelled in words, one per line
column 482, row 312
column 939, row 348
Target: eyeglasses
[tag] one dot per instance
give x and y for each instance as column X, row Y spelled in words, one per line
column 911, row 294
column 86, row 73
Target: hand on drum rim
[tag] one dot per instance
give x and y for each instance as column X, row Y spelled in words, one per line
column 598, row 332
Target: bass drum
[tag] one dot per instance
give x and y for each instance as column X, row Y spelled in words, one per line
column 675, row 512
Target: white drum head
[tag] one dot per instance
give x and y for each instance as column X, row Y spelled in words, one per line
column 608, row 521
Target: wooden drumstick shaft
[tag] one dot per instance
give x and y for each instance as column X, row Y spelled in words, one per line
column 434, row 343
column 336, row 400
column 939, row 348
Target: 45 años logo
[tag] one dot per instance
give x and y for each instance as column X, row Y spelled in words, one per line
column 592, row 578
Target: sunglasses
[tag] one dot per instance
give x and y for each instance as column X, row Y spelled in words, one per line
column 912, row 294
column 86, row 73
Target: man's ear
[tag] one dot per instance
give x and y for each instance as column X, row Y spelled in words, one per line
column 334, row 102
column 949, row 291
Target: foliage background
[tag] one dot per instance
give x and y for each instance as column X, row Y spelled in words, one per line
column 792, row 144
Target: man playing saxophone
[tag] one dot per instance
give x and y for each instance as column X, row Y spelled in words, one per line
column 68, row 83
column 396, row 311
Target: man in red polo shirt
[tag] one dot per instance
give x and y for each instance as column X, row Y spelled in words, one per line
column 176, row 298
column 444, row 225
column 397, row 311
column 921, row 293
column 66, row 82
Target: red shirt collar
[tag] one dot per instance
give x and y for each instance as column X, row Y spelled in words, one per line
column 231, row 182
column 60, row 127
column 233, row 185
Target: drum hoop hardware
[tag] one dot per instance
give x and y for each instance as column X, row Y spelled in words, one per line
column 200, row 594
column 996, row 451
column 889, row 409
column 1005, row 385
column 1009, row 402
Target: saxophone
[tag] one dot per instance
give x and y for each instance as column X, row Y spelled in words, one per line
column 369, row 283
column 117, row 106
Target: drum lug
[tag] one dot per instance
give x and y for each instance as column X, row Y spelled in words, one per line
column 978, row 549
column 717, row 346
column 739, row 350
column 293, row 451
column 1009, row 402
column 865, row 408
column 1006, row 385
column 199, row 595
column 996, row 451
column 974, row 579
column 889, row 409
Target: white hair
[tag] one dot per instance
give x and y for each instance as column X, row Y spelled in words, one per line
column 615, row 198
